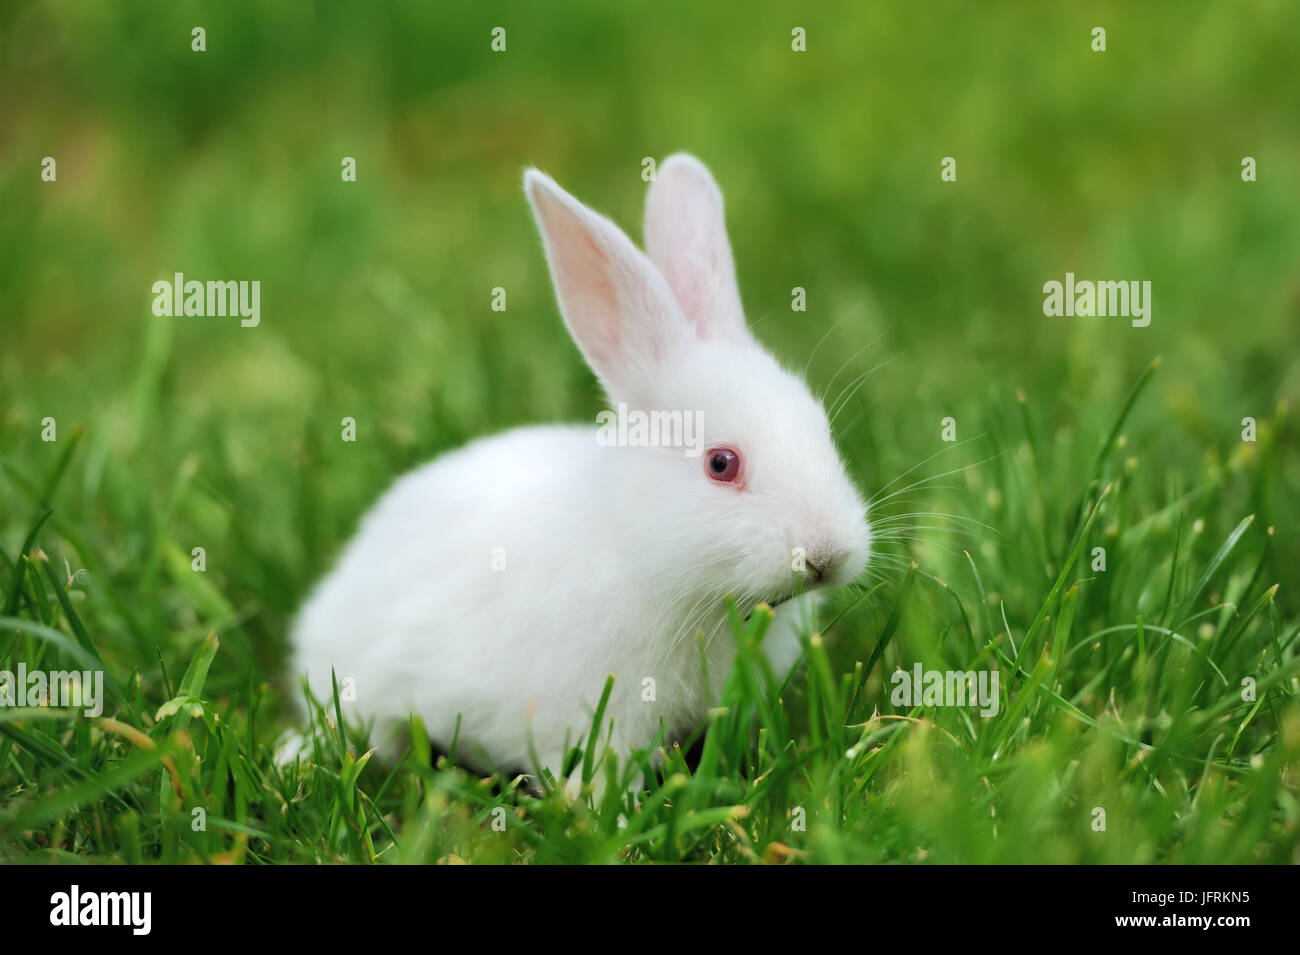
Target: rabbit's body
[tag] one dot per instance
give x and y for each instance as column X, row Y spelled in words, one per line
column 461, row 572
column 494, row 590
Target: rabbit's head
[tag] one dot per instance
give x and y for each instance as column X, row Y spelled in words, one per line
column 760, row 504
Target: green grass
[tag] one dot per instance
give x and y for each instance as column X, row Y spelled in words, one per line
column 1140, row 713
column 1121, row 689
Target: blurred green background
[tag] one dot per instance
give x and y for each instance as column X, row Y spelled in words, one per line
column 375, row 294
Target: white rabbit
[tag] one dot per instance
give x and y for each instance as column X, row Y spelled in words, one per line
column 501, row 583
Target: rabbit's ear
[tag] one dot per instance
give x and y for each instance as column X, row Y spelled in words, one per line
column 686, row 236
column 616, row 304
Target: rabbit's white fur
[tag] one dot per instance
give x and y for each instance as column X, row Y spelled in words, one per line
column 504, row 581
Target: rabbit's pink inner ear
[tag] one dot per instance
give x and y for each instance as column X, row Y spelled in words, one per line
column 615, row 303
column 686, row 237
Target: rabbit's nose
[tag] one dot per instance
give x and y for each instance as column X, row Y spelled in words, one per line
column 815, row 572
column 829, row 565
column 822, row 566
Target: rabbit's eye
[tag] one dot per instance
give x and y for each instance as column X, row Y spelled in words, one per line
column 723, row 465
